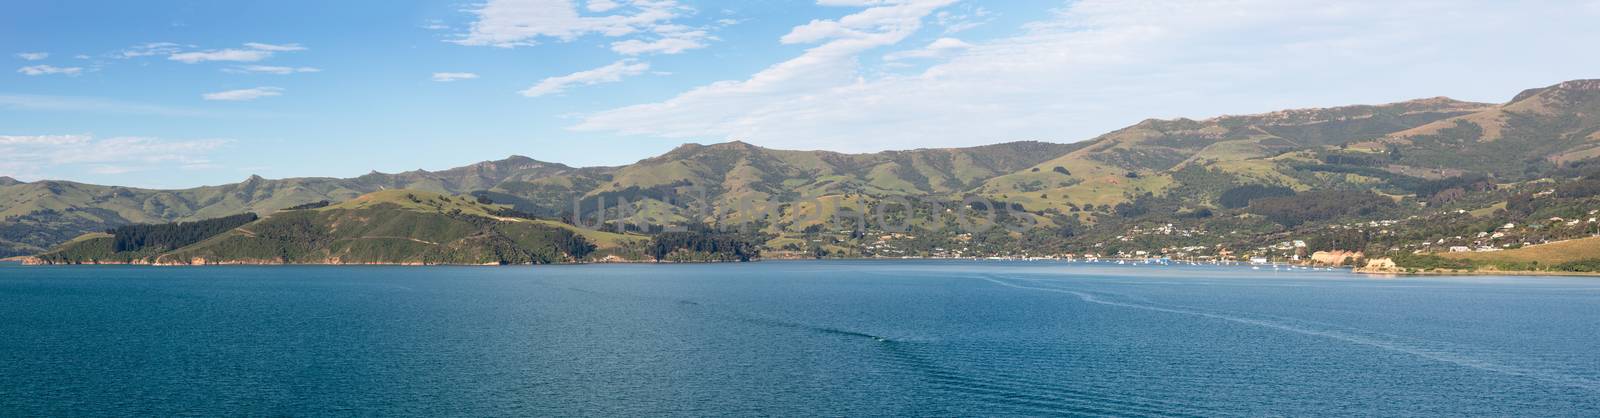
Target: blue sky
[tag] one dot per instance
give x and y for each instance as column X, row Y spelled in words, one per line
column 185, row 93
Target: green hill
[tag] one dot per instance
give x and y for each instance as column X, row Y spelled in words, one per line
column 1156, row 156
column 389, row 227
column 42, row 214
column 1419, row 153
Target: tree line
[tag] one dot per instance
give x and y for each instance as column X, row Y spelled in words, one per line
column 703, row 246
column 173, row 235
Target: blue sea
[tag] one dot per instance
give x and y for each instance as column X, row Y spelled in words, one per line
column 853, row 338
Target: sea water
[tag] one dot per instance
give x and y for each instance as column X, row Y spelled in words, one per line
column 945, row 338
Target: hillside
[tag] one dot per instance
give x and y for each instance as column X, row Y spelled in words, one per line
column 1551, row 254
column 388, row 227
column 1539, row 128
column 1156, row 156
column 39, row 215
column 42, row 214
column 1404, row 158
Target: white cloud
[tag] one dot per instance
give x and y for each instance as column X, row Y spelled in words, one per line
column 243, row 94
column 513, row 23
column 448, row 77
column 274, row 48
column 49, row 70
column 855, row 3
column 959, row 21
column 608, row 74
column 252, row 52
column 38, row 156
column 667, row 45
column 600, row 6
column 52, row 140
column 149, row 49
column 1098, row 65
column 435, row 24
column 238, row 55
column 733, row 108
column 49, row 103
column 270, row 69
column 33, row 56
column 140, row 149
column 938, row 48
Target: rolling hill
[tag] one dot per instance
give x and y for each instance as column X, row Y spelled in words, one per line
column 1407, row 150
column 387, row 227
column 38, row 215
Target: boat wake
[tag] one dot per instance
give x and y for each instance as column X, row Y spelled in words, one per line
column 1003, row 389
column 1430, row 350
column 998, row 388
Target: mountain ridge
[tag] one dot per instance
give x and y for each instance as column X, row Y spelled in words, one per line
column 1389, row 145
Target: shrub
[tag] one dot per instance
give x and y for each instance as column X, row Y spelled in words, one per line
column 1241, row 196
column 1318, row 206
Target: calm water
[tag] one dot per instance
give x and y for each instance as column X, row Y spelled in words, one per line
column 791, row 338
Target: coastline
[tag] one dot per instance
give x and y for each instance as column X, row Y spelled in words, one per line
column 1369, row 271
column 35, row 261
column 1401, row 272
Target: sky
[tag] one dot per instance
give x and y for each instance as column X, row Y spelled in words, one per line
column 171, row 94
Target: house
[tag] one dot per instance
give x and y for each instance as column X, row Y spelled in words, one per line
column 1460, row 249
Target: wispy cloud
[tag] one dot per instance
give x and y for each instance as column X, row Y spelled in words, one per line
column 50, row 70
column 238, row 55
column 612, row 73
column 274, row 47
column 241, row 95
column 149, row 49
column 50, row 103
column 252, row 52
column 48, row 140
column 938, row 48
column 959, row 21
column 514, row 23
column 53, row 156
column 666, row 39
column 659, row 46
column 1097, row 65
column 448, row 77
column 33, row 56
column 734, row 108
column 269, row 69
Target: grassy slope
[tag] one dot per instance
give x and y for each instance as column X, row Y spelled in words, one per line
column 1545, row 254
column 395, row 226
column 1549, row 124
column 47, row 213
column 1251, row 148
